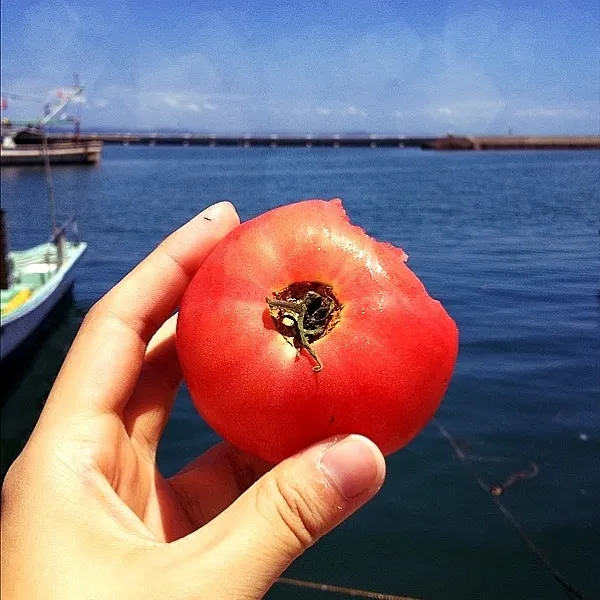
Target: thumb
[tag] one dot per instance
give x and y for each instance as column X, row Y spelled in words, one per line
column 286, row 511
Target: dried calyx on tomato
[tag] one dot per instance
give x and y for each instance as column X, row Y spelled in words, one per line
column 304, row 312
column 299, row 326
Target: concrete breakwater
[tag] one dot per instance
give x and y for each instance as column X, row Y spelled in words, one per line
column 514, row 142
column 449, row 142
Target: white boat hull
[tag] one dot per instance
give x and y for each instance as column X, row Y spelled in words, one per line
column 66, row 153
column 19, row 326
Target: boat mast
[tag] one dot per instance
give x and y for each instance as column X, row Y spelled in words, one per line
column 57, row 234
column 59, row 107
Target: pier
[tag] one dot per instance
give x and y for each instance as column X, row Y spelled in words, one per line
column 265, row 141
column 447, row 143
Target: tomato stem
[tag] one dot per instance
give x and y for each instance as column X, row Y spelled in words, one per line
column 296, row 311
column 305, row 312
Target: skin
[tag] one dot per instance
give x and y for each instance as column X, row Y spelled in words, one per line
column 85, row 511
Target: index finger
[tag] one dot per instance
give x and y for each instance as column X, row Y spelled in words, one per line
column 104, row 362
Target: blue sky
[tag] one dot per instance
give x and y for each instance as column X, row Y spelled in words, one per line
column 336, row 66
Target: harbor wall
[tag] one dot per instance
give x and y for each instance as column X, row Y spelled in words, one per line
column 449, row 142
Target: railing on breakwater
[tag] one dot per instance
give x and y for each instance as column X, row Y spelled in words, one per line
column 272, row 141
column 449, row 142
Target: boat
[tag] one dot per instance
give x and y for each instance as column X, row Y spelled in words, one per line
column 26, row 147
column 33, row 283
column 29, row 143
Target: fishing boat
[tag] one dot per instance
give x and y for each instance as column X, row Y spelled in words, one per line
column 26, row 147
column 33, row 283
column 29, row 144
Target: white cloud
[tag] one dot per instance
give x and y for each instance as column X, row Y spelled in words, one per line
column 354, row 111
column 170, row 100
column 439, row 112
column 552, row 112
column 464, row 110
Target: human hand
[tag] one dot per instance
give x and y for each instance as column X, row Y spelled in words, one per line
column 85, row 511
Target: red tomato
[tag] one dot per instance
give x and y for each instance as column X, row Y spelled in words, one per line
column 299, row 326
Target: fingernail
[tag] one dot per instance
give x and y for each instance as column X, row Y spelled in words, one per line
column 353, row 466
column 214, row 211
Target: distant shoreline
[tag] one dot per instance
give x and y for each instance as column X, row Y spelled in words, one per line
column 448, row 143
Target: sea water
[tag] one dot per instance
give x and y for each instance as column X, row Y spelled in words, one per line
column 507, row 241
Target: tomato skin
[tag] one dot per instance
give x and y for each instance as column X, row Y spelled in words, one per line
column 386, row 363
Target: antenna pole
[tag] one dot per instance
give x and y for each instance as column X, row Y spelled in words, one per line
column 57, row 236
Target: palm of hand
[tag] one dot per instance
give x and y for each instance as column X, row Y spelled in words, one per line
column 123, row 449
column 131, row 471
column 170, row 508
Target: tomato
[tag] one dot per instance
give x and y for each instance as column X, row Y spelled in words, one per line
column 299, row 326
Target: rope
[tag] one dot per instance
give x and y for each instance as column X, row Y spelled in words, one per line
column 49, row 183
column 460, row 449
column 495, row 492
column 335, row 589
column 498, row 490
column 57, row 238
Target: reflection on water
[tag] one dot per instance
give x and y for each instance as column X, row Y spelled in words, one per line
column 27, row 380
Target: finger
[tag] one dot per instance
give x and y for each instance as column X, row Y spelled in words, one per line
column 284, row 513
column 103, row 365
column 211, row 483
column 148, row 409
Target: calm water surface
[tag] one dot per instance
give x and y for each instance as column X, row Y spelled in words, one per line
column 508, row 241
